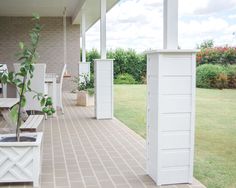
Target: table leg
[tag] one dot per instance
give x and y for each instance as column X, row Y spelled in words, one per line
column 54, row 87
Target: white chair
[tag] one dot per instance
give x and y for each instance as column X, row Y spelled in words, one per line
column 59, row 89
column 3, row 68
column 37, row 84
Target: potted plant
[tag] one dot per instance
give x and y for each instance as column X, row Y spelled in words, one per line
column 20, row 152
column 85, row 90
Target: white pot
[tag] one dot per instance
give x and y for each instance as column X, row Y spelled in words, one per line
column 20, row 161
column 84, row 99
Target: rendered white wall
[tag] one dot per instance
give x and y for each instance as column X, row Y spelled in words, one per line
column 103, row 88
column 170, row 116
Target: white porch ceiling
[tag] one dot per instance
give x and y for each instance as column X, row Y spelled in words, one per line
column 42, row 7
column 91, row 9
column 54, row 8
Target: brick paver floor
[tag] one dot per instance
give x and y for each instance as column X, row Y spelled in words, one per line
column 80, row 151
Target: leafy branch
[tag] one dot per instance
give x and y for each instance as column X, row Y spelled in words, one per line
column 22, row 79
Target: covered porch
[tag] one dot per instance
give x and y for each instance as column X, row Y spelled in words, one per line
column 80, row 151
column 86, row 149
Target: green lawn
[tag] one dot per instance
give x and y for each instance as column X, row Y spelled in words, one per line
column 215, row 151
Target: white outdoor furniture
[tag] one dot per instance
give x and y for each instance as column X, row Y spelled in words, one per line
column 3, row 68
column 59, row 90
column 37, row 84
column 51, row 87
column 32, row 123
column 5, row 106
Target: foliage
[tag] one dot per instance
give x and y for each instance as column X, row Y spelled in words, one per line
column 231, row 76
column 125, row 79
column 206, row 44
column 218, row 55
column 48, row 106
column 128, row 61
column 216, row 76
column 91, row 56
column 85, row 83
column 22, row 79
column 125, row 61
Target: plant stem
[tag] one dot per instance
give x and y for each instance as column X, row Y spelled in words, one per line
column 19, row 111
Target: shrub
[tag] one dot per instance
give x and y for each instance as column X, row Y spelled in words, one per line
column 219, row 55
column 231, row 75
column 211, row 76
column 128, row 61
column 91, row 56
column 125, row 79
column 125, row 61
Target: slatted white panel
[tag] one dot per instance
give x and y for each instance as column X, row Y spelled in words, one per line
column 103, row 89
column 84, row 69
column 170, row 116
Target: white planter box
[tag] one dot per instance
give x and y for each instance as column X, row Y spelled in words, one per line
column 20, row 161
column 171, row 115
column 84, row 99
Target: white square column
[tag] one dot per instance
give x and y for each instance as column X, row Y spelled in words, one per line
column 170, row 25
column 103, row 88
column 171, row 115
column 103, row 11
column 83, row 28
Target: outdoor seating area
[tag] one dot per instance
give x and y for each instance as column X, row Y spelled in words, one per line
column 80, row 151
column 47, row 139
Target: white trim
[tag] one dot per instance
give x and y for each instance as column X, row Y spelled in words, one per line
column 193, row 117
column 172, row 51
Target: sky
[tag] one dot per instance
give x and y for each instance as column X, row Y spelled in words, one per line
column 138, row 24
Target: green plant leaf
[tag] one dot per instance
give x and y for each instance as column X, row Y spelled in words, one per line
column 14, row 113
column 35, row 16
column 21, row 45
column 42, row 102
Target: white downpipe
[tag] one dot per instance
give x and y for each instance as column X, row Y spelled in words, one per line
column 83, row 38
column 65, row 40
column 103, row 29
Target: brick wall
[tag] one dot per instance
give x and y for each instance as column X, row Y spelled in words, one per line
column 51, row 45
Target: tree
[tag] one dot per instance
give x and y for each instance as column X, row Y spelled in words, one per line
column 22, row 79
column 206, row 44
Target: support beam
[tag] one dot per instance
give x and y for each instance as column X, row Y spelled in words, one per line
column 103, row 5
column 170, row 24
column 83, row 38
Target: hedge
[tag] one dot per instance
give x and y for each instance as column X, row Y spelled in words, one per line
column 216, row 76
column 218, row 55
column 124, row 79
column 129, row 62
column 125, row 62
